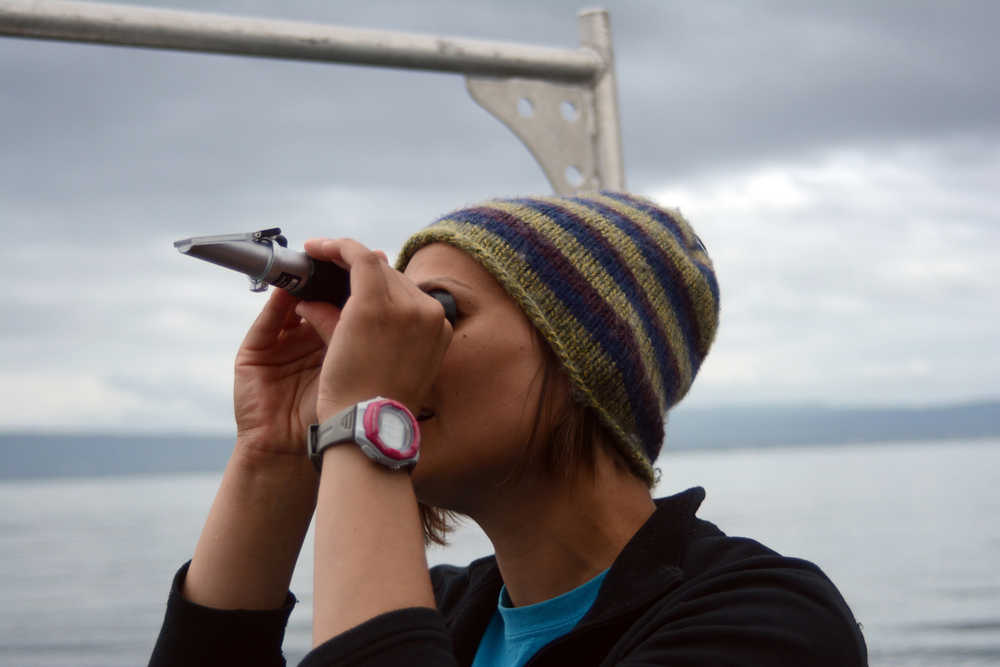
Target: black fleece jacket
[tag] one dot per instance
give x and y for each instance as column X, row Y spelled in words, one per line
column 681, row 593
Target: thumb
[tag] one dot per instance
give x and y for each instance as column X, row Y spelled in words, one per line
column 322, row 316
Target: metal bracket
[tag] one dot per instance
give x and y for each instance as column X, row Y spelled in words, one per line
column 561, row 103
column 555, row 121
column 571, row 127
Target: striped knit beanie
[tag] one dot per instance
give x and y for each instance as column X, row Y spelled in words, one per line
column 622, row 289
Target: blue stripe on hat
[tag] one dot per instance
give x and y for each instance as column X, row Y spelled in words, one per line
column 667, row 221
column 612, row 262
column 598, row 319
column 667, row 275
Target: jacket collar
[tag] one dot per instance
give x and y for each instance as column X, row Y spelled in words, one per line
column 651, row 560
column 646, row 567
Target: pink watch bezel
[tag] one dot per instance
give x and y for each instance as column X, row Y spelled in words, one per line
column 370, row 423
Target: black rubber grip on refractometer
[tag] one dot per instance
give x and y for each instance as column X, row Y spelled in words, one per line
column 327, row 282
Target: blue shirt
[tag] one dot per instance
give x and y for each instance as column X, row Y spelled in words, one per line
column 516, row 633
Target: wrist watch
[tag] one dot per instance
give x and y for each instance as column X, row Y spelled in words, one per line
column 383, row 428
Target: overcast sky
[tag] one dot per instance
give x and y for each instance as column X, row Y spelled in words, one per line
column 840, row 160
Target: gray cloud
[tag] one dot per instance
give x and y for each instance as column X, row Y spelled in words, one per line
column 852, row 277
column 761, row 80
column 841, row 161
column 699, row 87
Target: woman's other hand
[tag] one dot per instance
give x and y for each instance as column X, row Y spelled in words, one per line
column 255, row 529
column 276, row 376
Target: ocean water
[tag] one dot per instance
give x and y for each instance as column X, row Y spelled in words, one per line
column 909, row 533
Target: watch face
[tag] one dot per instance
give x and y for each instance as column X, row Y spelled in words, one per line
column 394, row 429
column 390, row 427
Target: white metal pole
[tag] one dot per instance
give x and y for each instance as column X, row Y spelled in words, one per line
column 197, row 31
column 506, row 69
column 595, row 33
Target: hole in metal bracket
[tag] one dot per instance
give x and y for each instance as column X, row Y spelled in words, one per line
column 526, row 107
column 569, row 111
column 573, row 176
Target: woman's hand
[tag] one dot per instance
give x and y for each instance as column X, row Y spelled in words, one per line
column 254, row 531
column 388, row 340
column 277, row 373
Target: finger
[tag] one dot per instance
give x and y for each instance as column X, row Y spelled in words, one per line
column 271, row 320
column 292, row 321
column 321, row 316
column 331, row 250
column 303, row 334
column 325, row 249
column 369, row 269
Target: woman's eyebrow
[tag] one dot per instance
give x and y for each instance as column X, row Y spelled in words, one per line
column 431, row 282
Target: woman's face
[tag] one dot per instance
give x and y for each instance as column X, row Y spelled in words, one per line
column 478, row 417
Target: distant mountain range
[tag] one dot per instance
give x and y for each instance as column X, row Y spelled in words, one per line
column 766, row 426
column 94, row 454
column 27, row 455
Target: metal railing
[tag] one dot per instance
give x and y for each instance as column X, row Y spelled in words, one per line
column 562, row 103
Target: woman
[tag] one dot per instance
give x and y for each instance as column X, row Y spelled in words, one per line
column 539, row 344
